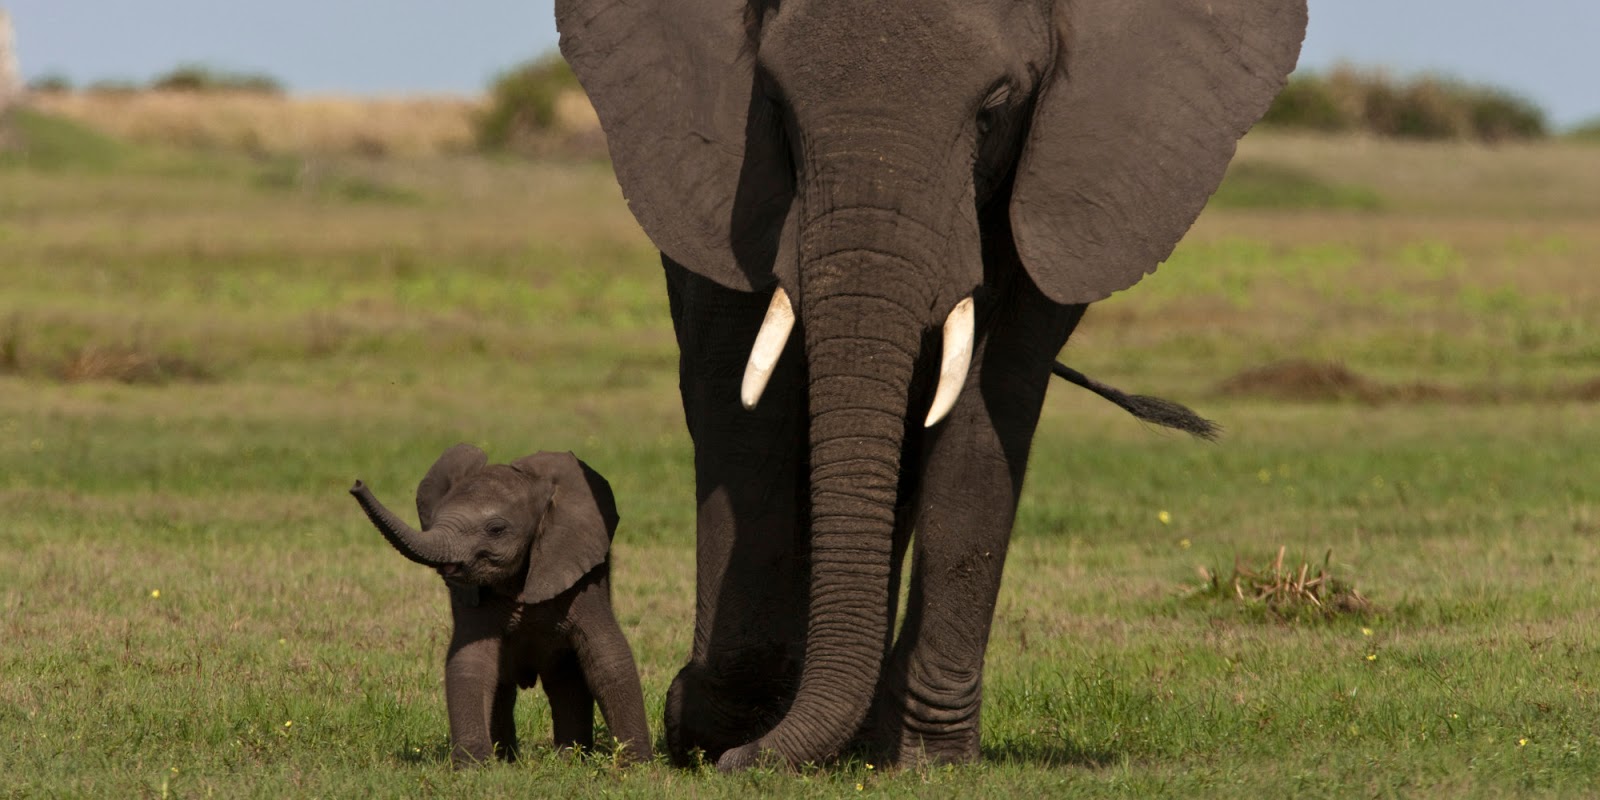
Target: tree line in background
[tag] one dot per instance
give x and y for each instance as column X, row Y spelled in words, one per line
column 524, row 105
column 184, row 78
column 1423, row 107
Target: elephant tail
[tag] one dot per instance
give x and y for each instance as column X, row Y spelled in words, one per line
column 1150, row 409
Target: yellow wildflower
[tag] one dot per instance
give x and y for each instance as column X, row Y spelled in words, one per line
column 1372, row 656
column 1165, row 517
column 155, row 593
column 1366, row 631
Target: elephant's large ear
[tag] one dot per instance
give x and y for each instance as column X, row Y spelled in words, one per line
column 1135, row 127
column 698, row 149
column 455, row 464
column 575, row 532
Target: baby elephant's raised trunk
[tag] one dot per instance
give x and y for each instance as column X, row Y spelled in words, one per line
column 424, row 547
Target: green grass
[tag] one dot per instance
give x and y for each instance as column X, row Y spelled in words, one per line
column 516, row 305
column 1255, row 184
column 42, row 142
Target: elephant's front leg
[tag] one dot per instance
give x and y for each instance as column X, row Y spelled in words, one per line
column 931, row 695
column 471, row 684
column 751, row 578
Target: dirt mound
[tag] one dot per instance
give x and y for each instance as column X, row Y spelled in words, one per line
column 1304, row 381
column 1307, row 381
column 1588, row 392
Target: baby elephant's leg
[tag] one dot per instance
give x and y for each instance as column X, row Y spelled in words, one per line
column 610, row 671
column 503, row 721
column 571, row 704
column 471, row 675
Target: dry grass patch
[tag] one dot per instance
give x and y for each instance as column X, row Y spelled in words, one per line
column 1506, row 183
column 263, row 123
column 1289, row 593
column 130, row 365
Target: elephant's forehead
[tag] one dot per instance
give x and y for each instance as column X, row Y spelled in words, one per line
column 839, row 44
column 491, row 488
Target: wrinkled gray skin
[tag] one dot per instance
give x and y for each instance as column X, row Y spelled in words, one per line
column 523, row 549
column 880, row 162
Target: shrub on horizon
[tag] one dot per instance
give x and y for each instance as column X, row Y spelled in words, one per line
column 1587, row 131
column 522, row 103
column 199, row 78
column 54, row 83
column 1427, row 107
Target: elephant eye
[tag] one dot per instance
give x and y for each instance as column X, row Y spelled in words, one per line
column 496, row 527
column 992, row 105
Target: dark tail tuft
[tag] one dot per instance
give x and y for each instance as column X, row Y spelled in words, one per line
column 1150, row 409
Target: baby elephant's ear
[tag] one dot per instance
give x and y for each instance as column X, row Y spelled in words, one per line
column 454, row 464
column 575, row 532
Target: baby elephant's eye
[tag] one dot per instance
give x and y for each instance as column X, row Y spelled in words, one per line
column 496, row 527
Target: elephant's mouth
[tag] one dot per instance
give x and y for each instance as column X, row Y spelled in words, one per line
column 449, row 571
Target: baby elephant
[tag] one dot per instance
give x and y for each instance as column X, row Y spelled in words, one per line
column 524, row 550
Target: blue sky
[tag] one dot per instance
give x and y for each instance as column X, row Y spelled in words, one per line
column 1542, row 48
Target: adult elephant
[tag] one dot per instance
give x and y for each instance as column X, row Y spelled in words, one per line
column 931, row 192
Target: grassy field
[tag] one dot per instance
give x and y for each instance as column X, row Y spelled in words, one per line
column 198, row 353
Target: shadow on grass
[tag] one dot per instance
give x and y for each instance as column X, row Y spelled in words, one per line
column 1022, row 752
column 1051, row 754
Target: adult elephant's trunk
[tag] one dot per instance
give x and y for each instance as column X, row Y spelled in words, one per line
column 424, row 547
column 865, row 310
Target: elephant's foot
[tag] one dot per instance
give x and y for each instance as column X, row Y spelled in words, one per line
column 920, row 721
column 711, row 716
column 471, row 755
column 750, row 756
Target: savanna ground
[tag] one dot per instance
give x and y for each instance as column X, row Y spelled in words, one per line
column 200, row 351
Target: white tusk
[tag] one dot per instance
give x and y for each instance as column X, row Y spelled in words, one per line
column 774, row 334
column 955, row 362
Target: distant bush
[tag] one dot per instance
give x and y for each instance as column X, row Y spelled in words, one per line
column 1310, row 102
column 54, row 83
column 1586, row 131
column 1426, row 107
column 523, row 103
column 197, row 78
column 113, row 86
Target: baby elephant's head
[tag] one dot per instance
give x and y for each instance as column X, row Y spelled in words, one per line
column 529, row 529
